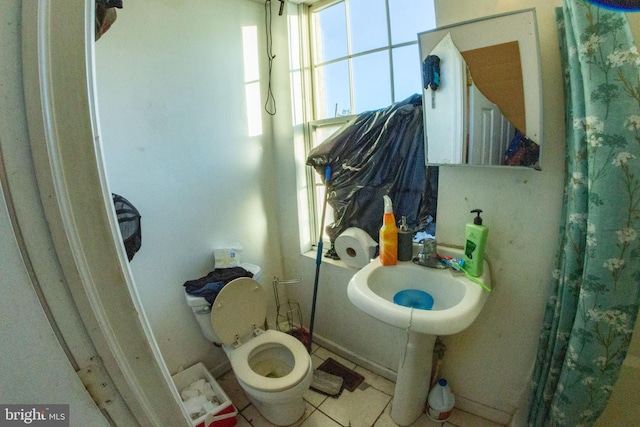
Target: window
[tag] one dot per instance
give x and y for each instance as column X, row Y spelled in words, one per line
column 364, row 56
column 364, row 53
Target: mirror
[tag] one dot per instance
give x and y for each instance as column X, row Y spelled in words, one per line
column 486, row 108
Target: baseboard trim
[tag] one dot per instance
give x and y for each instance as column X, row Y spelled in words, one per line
column 475, row 408
column 220, row 369
column 483, row 411
column 358, row 360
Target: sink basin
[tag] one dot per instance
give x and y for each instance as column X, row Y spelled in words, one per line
column 457, row 300
column 430, row 302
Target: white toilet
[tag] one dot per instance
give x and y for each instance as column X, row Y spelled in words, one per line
column 272, row 367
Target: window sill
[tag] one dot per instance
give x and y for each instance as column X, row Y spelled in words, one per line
column 313, row 253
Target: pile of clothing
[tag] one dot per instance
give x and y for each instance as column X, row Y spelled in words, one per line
column 210, row 285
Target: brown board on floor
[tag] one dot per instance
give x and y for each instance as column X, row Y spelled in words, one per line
column 351, row 379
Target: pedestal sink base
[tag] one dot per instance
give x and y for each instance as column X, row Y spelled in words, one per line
column 457, row 301
column 414, row 379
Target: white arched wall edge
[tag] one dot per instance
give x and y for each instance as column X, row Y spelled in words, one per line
column 65, row 144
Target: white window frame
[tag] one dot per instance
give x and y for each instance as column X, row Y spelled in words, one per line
column 312, row 124
column 312, row 183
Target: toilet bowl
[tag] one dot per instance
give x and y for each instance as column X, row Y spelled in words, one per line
column 273, row 368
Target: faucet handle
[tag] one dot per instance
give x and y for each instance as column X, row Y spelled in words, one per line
column 429, row 247
column 428, row 255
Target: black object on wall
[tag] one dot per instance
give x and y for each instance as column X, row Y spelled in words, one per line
column 129, row 220
column 378, row 153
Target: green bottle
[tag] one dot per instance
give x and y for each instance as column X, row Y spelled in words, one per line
column 476, row 240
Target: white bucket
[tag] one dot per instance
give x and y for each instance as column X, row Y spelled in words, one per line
column 440, row 402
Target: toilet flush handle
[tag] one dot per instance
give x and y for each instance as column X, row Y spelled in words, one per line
column 205, row 309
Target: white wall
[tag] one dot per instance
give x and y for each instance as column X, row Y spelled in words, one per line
column 174, row 122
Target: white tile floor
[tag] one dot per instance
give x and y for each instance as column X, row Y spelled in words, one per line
column 367, row 406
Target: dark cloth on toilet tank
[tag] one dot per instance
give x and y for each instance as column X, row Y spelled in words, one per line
column 210, row 285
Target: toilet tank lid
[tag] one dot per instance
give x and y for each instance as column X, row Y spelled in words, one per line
column 194, row 301
column 257, row 271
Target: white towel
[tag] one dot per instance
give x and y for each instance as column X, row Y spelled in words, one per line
column 199, row 398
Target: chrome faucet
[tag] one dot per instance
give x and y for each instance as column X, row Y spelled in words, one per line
column 428, row 254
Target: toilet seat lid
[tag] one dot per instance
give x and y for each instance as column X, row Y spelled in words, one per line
column 240, row 307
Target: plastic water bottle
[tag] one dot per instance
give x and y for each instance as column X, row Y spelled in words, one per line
column 440, row 401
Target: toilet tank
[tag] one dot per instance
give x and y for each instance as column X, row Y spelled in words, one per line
column 202, row 309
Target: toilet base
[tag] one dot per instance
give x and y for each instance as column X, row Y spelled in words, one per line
column 281, row 414
column 283, row 408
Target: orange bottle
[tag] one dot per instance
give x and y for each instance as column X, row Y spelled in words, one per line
column 388, row 235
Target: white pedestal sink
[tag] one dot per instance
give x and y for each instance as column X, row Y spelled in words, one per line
column 457, row 303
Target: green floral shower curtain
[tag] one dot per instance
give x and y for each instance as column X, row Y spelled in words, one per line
column 595, row 290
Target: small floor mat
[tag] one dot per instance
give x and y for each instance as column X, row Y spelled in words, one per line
column 351, row 379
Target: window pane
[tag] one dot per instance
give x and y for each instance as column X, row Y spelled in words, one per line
column 368, row 25
column 319, row 136
column 371, row 82
column 406, row 72
column 332, row 90
column 330, row 31
column 410, row 17
column 324, row 132
column 328, row 213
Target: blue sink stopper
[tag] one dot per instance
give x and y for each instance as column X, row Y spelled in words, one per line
column 414, row 298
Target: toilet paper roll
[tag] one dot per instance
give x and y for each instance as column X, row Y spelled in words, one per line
column 355, row 247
